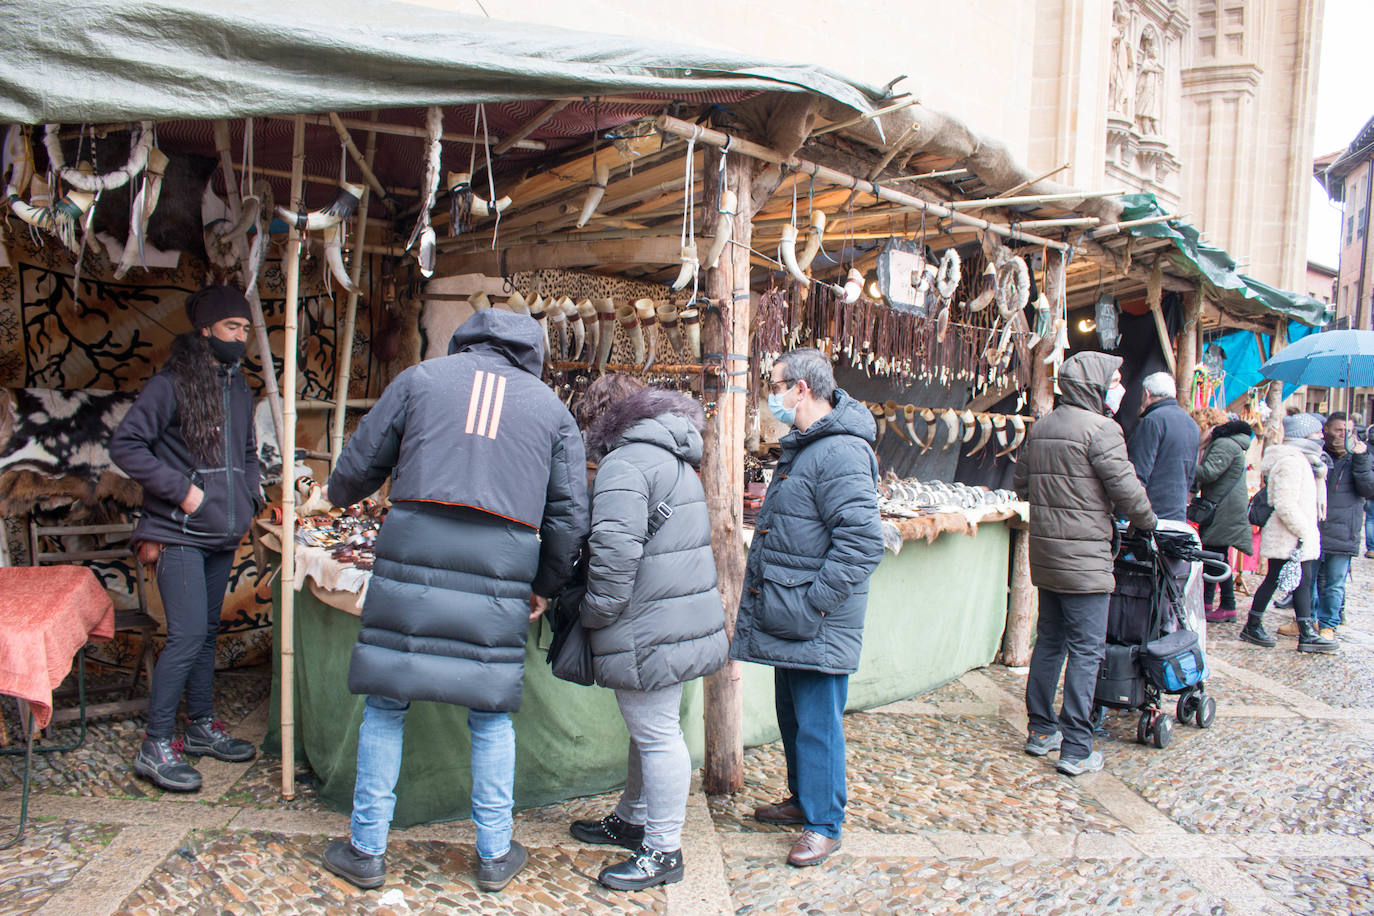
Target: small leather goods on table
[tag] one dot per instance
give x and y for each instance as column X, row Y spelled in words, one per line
column 47, row 613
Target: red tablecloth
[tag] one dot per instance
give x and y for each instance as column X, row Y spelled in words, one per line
column 46, row 614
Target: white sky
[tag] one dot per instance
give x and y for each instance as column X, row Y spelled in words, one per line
column 1345, row 101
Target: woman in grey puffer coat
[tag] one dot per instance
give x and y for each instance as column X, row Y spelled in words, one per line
column 654, row 615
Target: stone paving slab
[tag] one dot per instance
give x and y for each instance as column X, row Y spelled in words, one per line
column 1328, row 886
column 50, row 855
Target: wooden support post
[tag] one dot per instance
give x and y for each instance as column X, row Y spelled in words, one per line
column 292, row 262
column 1187, row 348
column 1154, row 292
column 1022, row 601
column 1273, row 430
column 364, row 163
column 344, row 363
column 722, row 472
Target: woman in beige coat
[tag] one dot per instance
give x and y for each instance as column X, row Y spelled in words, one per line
column 1295, row 476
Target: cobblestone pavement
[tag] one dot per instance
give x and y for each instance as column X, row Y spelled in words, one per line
column 1270, row 811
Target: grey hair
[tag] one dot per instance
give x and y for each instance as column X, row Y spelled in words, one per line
column 1160, row 385
column 812, row 366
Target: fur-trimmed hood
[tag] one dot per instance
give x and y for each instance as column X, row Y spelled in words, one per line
column 667, row 419
column 1234, row 428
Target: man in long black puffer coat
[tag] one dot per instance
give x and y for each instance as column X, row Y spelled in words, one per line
column 489, row 507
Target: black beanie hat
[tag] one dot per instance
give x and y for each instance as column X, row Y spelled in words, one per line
column 215, row 303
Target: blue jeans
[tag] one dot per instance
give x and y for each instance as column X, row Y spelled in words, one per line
column 1369, row 525
column 810, row 708
column 1332, row 572
column 379, row 766
column 1074, row 626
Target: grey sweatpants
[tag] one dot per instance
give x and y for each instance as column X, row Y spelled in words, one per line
column 1074, row 626
column 660, row 767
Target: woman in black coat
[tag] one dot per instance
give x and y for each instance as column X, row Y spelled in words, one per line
column 188, row 440
column 654, row 615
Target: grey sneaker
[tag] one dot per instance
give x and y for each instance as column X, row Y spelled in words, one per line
column 1040, row 745
column 1089, row 764
column 494, row 874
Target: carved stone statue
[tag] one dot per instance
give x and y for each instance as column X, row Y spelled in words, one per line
column 1149, row 86
column 1119, row 77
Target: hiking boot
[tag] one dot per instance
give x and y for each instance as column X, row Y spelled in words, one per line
column 1089, row 764
column 160, row 761
column 1309, row 640
column 609, row 831
column 1327, row 633
column 1040, row 745
column 206, row 737
column 646, row 868
column 1254, row 632
column 784, row 812
column 1289, row 629
column 494, row 874
column 357, row 868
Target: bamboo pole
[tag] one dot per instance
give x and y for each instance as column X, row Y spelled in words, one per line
column 764, row 154
column 269, row 367
column 1031, row 199
column 405, row 130
column 321, row 179
column 722, row 474
column 1113, row 228
column 344, row 370
column 548, row 111
column 867, row 116
column 364, row 163
column 1018, row 188
column 943, row 173
column 1066, row 223
column 288, row 481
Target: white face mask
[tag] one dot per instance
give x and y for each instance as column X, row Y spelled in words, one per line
column 1114, row 396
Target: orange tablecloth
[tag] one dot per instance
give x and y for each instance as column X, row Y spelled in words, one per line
column 46, row 614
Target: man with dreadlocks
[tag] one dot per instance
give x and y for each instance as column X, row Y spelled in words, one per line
column 188, row 440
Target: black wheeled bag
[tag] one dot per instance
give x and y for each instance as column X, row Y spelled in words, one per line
column 1120, row 682
column 1174, row 663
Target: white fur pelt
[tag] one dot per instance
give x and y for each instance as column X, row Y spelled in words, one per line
column 1299, row 502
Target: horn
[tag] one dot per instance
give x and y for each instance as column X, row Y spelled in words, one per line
column 586, row 319
column 144, row 204
column 879, row 417
column 18, row 160
column 942, row 324
column 688, row 270
column 59, row 219
column 333, row 257
column 516, row 303
column 725, row 226
column 248, row 218
column 667, row 319
column 890, row 412
column 853, row 286
column 537, row 312
column 479, row 301
column 787, row 253
column 644, row 311
column 481, row 208
column 345, row 204
column 813, row 240
column 558, row 325
column 691, row 329
column 605, row 334
column 909, row 419
column 601, row 176
column 628, row 317
column 987, row 288
column 429, row 252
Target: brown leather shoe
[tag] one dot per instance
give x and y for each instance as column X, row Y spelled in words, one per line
column 1289, row 629
column 784, row 812
column 812, row 849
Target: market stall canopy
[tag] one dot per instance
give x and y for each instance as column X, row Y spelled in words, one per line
column 115, row 60
column 1232, row 291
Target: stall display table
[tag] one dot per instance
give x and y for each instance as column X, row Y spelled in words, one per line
column 47, row 614
column 935, row 610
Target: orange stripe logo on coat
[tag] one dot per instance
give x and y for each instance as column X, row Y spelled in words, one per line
column 484, row 404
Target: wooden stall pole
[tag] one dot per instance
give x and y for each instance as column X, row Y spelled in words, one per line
column 269, row 369
column 344, row 364
column 1187, row 345
column 1273, row 430
column 1022, row 602
column 722, row 470
column 1154, row 293
column 288, row 480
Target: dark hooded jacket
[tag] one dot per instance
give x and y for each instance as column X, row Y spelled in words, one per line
column 652, row 607
column 1163, row 449
column 816, row 543
column 1221, row 478
column 1075, row 473
column 1348, row 484
column 489, row 502
column 148, row 446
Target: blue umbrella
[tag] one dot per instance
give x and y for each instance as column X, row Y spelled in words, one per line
column 1331, row 359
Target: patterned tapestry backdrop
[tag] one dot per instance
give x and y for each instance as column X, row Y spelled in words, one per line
column 117, row 334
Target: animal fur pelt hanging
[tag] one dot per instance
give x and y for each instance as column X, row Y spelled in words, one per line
column 176, row 224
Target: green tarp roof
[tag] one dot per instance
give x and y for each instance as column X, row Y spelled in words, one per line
column 121, row 60
column 1234, row 291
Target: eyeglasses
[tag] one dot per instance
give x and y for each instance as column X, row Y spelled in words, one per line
column 786, row 383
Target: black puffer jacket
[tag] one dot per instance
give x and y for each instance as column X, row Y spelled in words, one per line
column 147, row 445
column 655, row 616
column 1074, row 471
column 1349, row 483
column 489, row 503
column 816, row 543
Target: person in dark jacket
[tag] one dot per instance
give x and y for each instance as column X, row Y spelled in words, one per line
column 653, row 614
column 1075, row 473
column 1163, row 448
column 489, row 506
column 816, row 543
column 188, row 441
column 1348, row 484
column 1220, row 476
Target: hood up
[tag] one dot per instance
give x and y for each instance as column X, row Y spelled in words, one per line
column 667, row 419
column 516, row 337
column 847, row 416
column 1083, row 380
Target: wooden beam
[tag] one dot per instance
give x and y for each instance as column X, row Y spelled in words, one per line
column 1186, row 347
column 660, row 250
column 358, row 159
column 530, row 126
column 406, row 130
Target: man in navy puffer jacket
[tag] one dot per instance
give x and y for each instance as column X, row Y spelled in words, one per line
column 818, row 539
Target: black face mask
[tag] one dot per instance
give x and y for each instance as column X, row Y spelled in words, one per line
column 228, row 352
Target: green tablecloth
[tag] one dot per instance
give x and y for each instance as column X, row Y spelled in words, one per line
column 935, row 611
